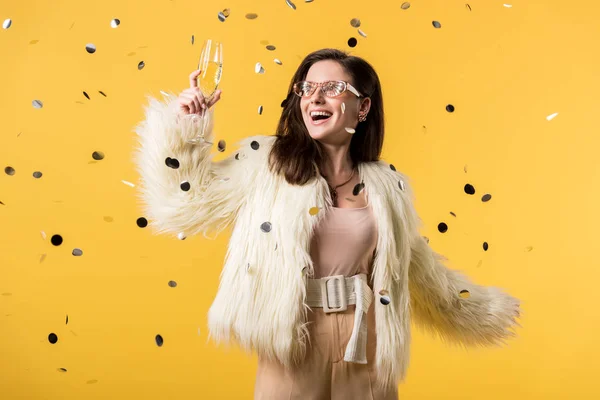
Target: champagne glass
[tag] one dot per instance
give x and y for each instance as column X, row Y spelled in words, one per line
column 211, row 67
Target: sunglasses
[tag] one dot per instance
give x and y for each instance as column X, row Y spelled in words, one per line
column 329, row 88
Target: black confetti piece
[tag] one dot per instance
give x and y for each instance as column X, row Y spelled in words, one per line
column 172, row 162
column 469, row 189
column 159, row 340
column 185, row 186
column 486, row 197
column 254, row 145
column 450, row 108
column 142, row 222
column 141, row 65
column 86, row 95
column 436, row 24
column 9, row 171
column 98, row 155
column 172, row 284
column 352, row 42
column 56, row 240
column 52, row 338
column 37, row 174
column 442, row 227
column 485, row 246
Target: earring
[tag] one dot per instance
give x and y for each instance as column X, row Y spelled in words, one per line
column 362, row 118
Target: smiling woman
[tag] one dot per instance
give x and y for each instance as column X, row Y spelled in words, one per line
column 323, row 128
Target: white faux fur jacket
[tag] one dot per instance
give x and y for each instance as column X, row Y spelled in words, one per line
column 260, row 303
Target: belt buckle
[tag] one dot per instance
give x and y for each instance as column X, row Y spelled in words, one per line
column 341, row 280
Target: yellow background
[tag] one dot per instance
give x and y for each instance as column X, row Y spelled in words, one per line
column 505, row 69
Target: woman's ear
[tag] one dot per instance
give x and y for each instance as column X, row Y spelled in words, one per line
column 365, row 106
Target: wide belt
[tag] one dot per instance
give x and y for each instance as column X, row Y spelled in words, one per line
column 334, row 294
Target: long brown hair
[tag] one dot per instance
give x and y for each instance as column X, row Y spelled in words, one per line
column 295, row 154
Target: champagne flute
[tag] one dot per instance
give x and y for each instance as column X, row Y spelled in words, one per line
column 211, row 67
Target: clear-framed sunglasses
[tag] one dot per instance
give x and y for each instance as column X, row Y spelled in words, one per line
column 329, row 88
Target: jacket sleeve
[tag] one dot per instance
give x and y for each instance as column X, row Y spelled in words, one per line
column 183, row 191
column 446, row 302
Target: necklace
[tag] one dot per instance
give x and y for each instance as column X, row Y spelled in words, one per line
column 333, row 191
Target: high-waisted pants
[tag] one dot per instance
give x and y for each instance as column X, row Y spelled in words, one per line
column 324, row 375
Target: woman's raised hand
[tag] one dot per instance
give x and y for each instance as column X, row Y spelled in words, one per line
column 192, row 101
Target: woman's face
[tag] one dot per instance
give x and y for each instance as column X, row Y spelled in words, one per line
column 332, row 129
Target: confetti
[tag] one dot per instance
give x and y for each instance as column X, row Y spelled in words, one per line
column 37, row 104
column 90, row 48
column 181, row 236
column 355, row 22
column 551, row 116
column 128, row 183
column 260, row 110
column 115, row 23
column 361, row 33
column 251, row 16
column 350, row 130
column 292, row 5
column 258, row 68
column 7, row 23
column 271, row 47
column 277, row 61
column 343, row 107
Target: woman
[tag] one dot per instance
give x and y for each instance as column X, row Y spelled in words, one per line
column 325, row 267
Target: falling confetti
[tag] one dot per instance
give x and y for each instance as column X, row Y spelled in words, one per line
column 436, row 24
column 77, row 252
column 141, row 65
column 260, row 110
column 343, row 107
column 37, row 174
column 352, row 42
column 142, row 222
column 172, row 284
column 507, row 5
column 350, row 130
column 277, row 61
column 159, row 340
column 7, row 23
column 98, row 155
column 355, row 22
column 469, row 189
column 56, row 240
column 128, row 183
column 450, row 108
column 442, row 227
column 271, row 47
column 9, row 171
column 258, row 68
column 115, row 23
column 405, row 6
column 361, row 33
column 52, row 338
column 37, row 104
column 181, row 236
column 292, row 5
column 251, row 16
column 90, row 48
column 551, row 116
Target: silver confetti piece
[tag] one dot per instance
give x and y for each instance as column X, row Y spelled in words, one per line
column 7, row 23
column 90, row 48
column 361, row 33
column 37, row 104
column 260, row 110
column 355, row 22
column 128, row 183
column 277, row 61
column 350, row 130
column 289, row 3
column 258, row 68
column 266, row 227
column 343, row 107
column 115, row 23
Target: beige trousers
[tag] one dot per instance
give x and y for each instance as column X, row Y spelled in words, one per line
column 324, row 375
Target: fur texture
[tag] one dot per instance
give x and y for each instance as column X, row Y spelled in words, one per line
column 261, row 299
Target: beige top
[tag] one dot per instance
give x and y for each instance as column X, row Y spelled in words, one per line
column 344, row 242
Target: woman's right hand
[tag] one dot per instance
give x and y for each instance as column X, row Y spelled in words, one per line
column 192, row 101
